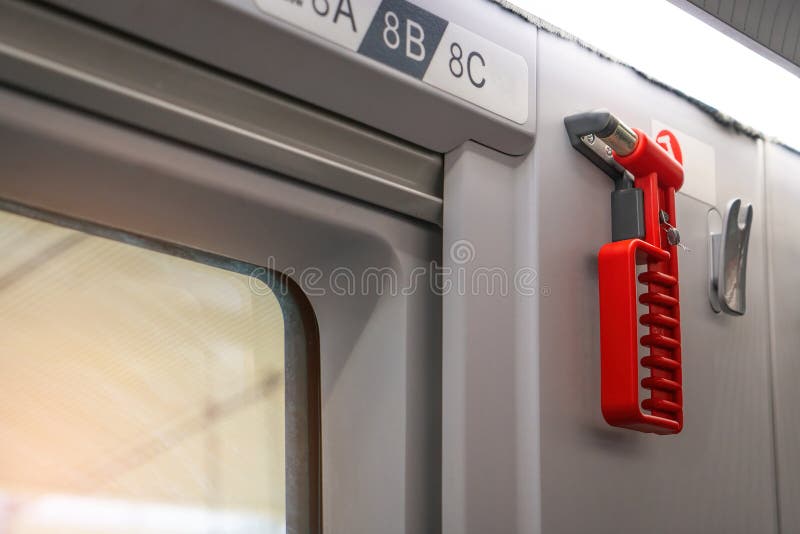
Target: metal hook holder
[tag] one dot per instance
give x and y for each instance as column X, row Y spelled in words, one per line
column 597, row 135
column 728, row 279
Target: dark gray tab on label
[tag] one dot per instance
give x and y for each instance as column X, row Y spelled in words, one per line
column 403, row 36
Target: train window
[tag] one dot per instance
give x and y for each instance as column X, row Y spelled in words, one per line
column 143, row 387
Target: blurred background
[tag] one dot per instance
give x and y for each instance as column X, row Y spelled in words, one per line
column 142, row 393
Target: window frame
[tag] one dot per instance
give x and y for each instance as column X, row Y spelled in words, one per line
column 302, row 409
column 380, row 355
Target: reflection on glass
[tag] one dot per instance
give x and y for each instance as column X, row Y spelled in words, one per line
column 141, row 393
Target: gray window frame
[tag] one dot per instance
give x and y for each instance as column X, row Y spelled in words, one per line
column 301, row 361
column 380, row 372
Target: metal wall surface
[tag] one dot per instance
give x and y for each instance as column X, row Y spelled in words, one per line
column 783, row 198
column 490, row 381
column 718, row 474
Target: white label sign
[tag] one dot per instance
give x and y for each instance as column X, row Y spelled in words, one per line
column 476, row 69
column 412, row 40
column 344, row 22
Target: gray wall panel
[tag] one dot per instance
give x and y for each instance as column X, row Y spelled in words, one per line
column 783, row 197
column 490, row 381
column 717, row 475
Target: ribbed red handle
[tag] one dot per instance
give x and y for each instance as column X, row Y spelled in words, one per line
column 659, row 176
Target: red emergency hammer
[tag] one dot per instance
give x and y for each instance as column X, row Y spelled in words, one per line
column 643, row 251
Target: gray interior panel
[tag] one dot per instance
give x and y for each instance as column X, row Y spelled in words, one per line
column 783, row 196
column 490, row 359
column 278, row 55
column 127, row 81
column 717, row 475
column 379, row 350
column 208, row 124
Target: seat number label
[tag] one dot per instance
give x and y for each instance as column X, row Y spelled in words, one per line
column 418, row 43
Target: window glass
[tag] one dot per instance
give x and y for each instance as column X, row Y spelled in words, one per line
column 141, row 392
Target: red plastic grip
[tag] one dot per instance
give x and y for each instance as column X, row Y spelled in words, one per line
column 659, row 175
